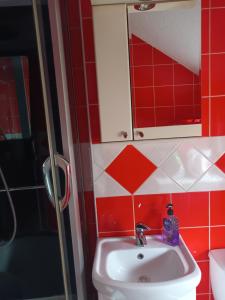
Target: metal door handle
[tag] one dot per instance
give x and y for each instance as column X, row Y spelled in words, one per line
column 65, row 166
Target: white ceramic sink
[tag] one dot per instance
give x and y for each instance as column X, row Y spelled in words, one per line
column 157, row 271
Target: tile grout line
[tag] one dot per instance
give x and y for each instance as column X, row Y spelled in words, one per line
column 209, row 232
column 153, row 88
column 168, row 85
column 134, row 216
column 209, row 61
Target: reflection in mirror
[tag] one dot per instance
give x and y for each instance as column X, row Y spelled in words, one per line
column 14, row 98
column 165, row 54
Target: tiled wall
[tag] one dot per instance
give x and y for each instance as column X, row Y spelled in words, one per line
column 72, row 28
column 212, row 74
column 190, row 172
column 134, row 182
column 213, row 61
column 163, row 91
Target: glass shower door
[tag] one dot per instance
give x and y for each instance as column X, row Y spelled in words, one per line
column 59, row 168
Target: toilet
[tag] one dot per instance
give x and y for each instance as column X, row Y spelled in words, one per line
column 217, row 273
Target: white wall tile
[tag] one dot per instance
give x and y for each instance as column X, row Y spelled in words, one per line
column 212, row 147
column 186, row 165
column 212, row 180
column 104, row 154
column 157, row 151
column 106, row 186
column 183, row 165
column 159, row 183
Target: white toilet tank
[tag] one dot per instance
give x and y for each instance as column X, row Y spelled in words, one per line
column 217, row 273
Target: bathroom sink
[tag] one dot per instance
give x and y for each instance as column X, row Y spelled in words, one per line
column 157, row 271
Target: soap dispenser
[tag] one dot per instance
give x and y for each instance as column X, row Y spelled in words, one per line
column 170, row 233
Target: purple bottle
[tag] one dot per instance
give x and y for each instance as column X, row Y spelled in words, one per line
column 170, row 233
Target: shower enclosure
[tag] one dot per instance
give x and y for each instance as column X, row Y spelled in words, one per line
column 45, row 259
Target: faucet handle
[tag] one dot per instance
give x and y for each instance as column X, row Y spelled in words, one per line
column 140, row 227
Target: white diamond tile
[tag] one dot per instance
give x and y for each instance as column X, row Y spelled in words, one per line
column 212, row 180
column 186, row 165
column 106, row 186
column 158, row 183
column 97, row 171
column 212, row 147
column 158, row 151
column 104, row 154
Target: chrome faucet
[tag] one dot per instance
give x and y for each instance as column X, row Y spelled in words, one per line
column 140, row 236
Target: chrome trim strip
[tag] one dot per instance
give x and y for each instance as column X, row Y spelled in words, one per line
column 24, row 188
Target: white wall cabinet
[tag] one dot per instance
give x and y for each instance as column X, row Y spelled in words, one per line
column 113, row 79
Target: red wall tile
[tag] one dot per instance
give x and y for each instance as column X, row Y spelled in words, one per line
column 116, row 233
column 217, row 3
column 163, row 75
column 184, row 95
column 204, row 283
column 197, row 240
column 221, row 163
column 164, row 116
column 203, row 297
column 161, row 58
column 205, row 116
column 164, row 87
column 95, row 123
column 205, row 31
column 142, row 54
column 218, row 24
column 205, row 76
column 111, row 212
column 86, row 8
column 143, row 97
column 217, row 235
column 217, row 208
column 150, row 209
column 187, row 207
column 217, row 116
column 92, row 83
column 205, row 3
column 145, row 117
column 182, row 75
column 130, row 161
column 143, row 76
column 79, row 84
column 76, row 48
column 164, row 96
column 217, row 74
column 88, row 36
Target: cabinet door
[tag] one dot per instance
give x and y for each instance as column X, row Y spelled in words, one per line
column 179, row 114
column 113, row 77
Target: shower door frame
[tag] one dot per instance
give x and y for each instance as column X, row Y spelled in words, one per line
column 68, row 147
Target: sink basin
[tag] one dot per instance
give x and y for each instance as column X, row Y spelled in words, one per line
column 157, row 271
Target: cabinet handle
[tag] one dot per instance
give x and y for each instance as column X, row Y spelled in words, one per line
column 140, row 133
column 124, row 134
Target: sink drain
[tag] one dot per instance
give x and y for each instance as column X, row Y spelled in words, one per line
column 144, row 278
column 140, row 256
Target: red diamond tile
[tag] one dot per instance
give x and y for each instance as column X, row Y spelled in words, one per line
column 221, row 163
column 130, row 168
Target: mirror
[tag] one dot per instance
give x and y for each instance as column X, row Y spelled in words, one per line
column 165, row 63
column 15, row 98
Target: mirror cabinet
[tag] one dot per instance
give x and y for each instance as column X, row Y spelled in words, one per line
column 148, row 60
